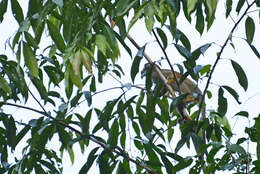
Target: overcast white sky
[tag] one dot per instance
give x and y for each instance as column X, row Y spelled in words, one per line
column 224, row 74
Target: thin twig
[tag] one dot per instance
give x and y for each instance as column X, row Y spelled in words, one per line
column 36, row 100
column 218, row 58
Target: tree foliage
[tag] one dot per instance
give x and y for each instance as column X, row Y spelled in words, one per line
column 85, row 38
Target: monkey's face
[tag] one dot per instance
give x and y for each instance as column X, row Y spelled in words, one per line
column 146, row 68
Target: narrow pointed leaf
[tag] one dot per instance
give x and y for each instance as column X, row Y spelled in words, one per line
column 30, row 60
column 241, row 75
column 222, row 103
column 17, row 11
column 4, row 85
column 250, row 29
column 233, row 93
column 253, row 48
column 56, row 36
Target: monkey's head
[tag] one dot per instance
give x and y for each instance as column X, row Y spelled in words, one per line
column 146, row 68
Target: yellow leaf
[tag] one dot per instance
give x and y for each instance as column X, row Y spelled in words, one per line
column 86, row 61
column 76, row 61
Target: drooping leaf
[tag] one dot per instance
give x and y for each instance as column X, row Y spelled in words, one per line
column 30, row 60
column 56, row 36
column 5, row 86
column 228, row 7
column 76, row 61
column 10, row 131
column 30, row 40
column 239, row 5
column 136, row 63
column 250, row 29
column 222, row 103
column 183, row 38
column 113, row 134
column 88, row 97
column 123, row 7
column 149, row 19
column 3, row 8
column 233, row 93
column 91, row 158
column 101, row 43
column 40, row 87
column 191, row 4
column 17, row 11
column 253, row 48
column 137, row 15
column 199, row 20
column 163, row 37
column 241, row 75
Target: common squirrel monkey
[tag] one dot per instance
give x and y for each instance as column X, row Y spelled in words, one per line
column 187, row 86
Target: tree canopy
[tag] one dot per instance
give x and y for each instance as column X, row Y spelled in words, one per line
column 64, row 50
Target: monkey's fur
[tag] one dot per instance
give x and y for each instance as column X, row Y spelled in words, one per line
column 187, row 86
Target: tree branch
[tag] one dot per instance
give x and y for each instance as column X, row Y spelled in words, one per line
column 116, row 150
column 218, row 58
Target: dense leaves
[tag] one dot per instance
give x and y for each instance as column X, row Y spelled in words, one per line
column 131, row 131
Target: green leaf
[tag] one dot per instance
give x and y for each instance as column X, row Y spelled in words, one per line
column 56, row 36
column 163, row 37
column 10, row 131
column 21, row 134
column 149, row 19
column 168, row 164
column 93, row 84
column 191, row 4
column 183, row 38
column 136, row 63
column 30, row 40
column 239, row 5
column 258, row 5
column 172, row 17
column 137, row 15
column 228, row 7
column 40, row 87
column 123, row 7
column 183, row 51
column 201, row 50
column 101, row 43
column 17, row 11
column 120, row 39
column 181, row 142
column 88, row 97
column 233, row 93
column 91, row 158
column 199, row 20
column 113, row 134
column 3, row 8
column 222, row 103
column 30, row 60
column 242, row 113
column 5, row 86
column 254, row 50
column 241, row 75
column 250, row 29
